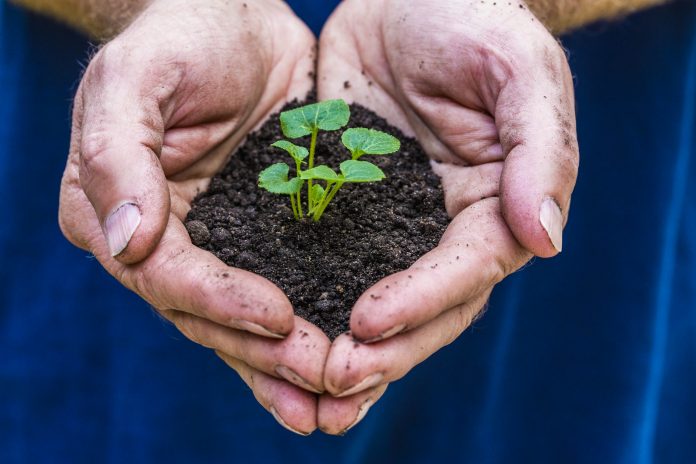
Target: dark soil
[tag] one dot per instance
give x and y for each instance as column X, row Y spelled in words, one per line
column 368, row 231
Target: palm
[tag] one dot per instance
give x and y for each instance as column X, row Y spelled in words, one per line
column 225, row 90
column 156, row 115
column 487, row 92
column 450, row 89
column 205, row 96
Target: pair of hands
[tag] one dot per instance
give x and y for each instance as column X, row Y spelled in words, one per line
column 482, row 85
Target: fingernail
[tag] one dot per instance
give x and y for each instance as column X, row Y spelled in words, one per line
column 120, row 226
column 552, row 221
column 292, row 377
column 280, row 420
column 370, row 381
column 254, row 328
column 362, row 412
column 387, row 333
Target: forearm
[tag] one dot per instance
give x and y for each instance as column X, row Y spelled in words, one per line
column 100, row 19
column 563, row 15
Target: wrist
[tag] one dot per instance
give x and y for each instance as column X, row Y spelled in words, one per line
column 561, row 16
column 99, row 19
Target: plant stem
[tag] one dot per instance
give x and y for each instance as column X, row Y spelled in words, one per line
column 298, row 168
column 326, row 199
column 294, row 208
column 312, row 148
column 329, row 184
column 299, row 204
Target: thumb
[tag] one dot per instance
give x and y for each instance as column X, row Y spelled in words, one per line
column 535, row 115
column 121, row 138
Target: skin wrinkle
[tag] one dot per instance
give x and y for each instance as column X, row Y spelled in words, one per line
column 383, row 78
column 498, row 73
column 389, row 74
column 141, row 283
column 476, row 142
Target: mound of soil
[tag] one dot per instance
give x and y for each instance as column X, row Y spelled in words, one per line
column 368, row 231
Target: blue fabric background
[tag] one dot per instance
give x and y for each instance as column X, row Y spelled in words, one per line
column 586, row 358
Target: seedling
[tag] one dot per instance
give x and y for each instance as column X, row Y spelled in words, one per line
column 328, row 115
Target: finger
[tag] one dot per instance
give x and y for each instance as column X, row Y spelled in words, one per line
column 293, row 408
column 299, row 358
column 535, row 114
column 353, row 367
column 476, row 252
column 178, row 275
column 336, row 416
column 465, row 185
column 121, row 137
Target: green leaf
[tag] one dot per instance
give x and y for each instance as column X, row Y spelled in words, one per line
column 317, row 193
column 275, row 179
column 327, row 115
column 360, row 171
column 361, row 141
column 321, row 173
column 298, row 153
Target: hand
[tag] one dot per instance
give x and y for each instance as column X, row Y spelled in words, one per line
column 488, row 93
column 156, row 115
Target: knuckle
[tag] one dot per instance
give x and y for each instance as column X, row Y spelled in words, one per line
column 139, row 282
column 501, row 268
column 462, row 320
column 93, row 148
column 493, row 263
column 242, row 350
column 94, row 144
column 143, row 281
column 147, row 279
column 195, row 329
column 109, row 61
column 198, row 332
column 192, row 329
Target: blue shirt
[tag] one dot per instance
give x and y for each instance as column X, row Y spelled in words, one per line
column 586, row 358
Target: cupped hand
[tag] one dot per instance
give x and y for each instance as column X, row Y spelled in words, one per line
column 488, row 93
column 157, row 113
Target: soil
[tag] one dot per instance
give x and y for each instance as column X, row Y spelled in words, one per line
column 368, row 231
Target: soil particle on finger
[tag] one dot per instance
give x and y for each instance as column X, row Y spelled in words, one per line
column 199, row 232
column 368, row 232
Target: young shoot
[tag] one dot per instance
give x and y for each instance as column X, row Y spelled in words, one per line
column 275, row 179
column 352, row 171
column 298, row 154
column 328, row 115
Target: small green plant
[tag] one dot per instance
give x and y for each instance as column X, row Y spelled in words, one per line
column 329, row 115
